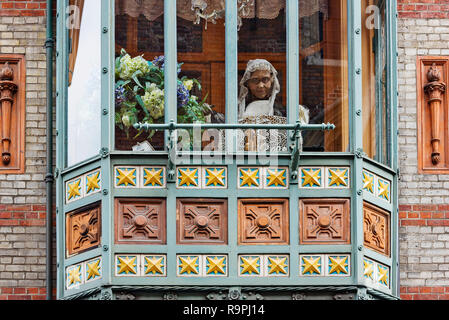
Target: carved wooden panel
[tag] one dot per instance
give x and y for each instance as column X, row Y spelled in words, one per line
column 140, row 221
column 263, row 221
column 202, row 221
column 83, row 229
column 376, row 228
column 12, row 113
column 325, row 221
column 433, row 115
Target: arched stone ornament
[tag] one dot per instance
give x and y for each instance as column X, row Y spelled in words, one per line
column 12, row 114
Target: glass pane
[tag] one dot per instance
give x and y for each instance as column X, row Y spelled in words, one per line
column 201, row 71
column 84, row 88
column 262, row 74
column 139, row 73
column 324, row 72
column 376, row 114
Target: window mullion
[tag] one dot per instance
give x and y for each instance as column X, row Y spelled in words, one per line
column 231, row 62
column 292, row 61
column 170, row 72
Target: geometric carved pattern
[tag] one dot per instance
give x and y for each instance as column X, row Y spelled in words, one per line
column 263, row 221
column 140, row 221
column 83, row 229
column 202, row 221
column 376, row 229
column 324, row 221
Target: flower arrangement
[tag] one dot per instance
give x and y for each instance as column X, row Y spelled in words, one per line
column 139, row 94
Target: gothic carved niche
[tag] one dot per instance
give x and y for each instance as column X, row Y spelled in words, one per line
column 324, row 221
column 376, row 229
column 263, row 221
column 83, row 229
column 202, row 221
column 140, row 221
column 12, row 113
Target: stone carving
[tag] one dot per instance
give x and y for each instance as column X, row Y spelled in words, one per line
column 140, row 221
column 7, row 90
column 376, row 228
column 263, row 221
column 83, row 229
column 324, row 221
column 202, row 221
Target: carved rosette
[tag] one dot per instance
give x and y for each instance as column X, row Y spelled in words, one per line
column 83, row 229
column 140, row 221
column 202, row 221
column 263, row 221
column 376, row 229
column 324, row 221
column 435, row 90
column 7, row 90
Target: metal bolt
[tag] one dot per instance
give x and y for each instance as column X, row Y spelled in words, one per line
column 105, row 70
column 359, row 112
column 360, row 192
column 105, row 111
column 358, row 71
column 357, row 31
column 105, row 192
column 105, row 29
column 360, row 248
column 105, row 248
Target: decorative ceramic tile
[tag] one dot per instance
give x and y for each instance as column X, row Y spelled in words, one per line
column 376, row 228
column 383, row 275
column 93, row 269
column 383, row 189
column 311, row 178
column 154, row 177
column 215, row 265
column 189, row 265
column 250, row 177
column 126, row 177
column 276, row 178
column 369, row 182
column 214, row 177
column 338, row 265
column 311, row 265
column 154, row 265
column 276, row 265
column 368, row 270
column 188, row 177
column 337, row 177
column 74, row 189
column 74, row 276
column 127, row 265
column 92, row 181
column 250, row 265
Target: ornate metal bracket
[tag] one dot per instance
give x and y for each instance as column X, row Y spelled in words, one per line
column 7, row 90
column 435, row 89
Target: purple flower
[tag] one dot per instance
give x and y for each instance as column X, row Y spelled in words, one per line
column 160, row 63
column 183, row 95
column 120, row 95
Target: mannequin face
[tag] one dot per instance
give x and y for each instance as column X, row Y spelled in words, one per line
column 260, row 84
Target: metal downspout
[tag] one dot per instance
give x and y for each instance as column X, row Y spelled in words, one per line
column 49, row 178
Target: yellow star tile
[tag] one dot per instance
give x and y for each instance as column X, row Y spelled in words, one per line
column 153, row 177
column 250, row 265
column 368, row 182
column 249, row 177
column 75, row 275
column 93, row 269
column 311, row 265
column 338, row 177
column 384, row 190
column 74, row 189
column 338, row 265
column 368, row 269
column 277, row 265
column 215, row 177
column 126, row 177
column 311, row 177
column 188, row 177
column 383, row 275
column 154, row 265
column 127, row 265
column 216, row 265
column 189, row 265
column 276, row 177
column 93, row 182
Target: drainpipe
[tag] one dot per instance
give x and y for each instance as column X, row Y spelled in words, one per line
column 49, row 178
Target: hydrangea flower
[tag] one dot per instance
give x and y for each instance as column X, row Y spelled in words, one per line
column 120, row 95
column 188, row 84
column 154, row 101
column 183, row 95
column 128, row 66
column 160, row 63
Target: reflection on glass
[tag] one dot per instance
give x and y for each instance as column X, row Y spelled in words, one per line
column 139, row 73
column 324, row 72
column 84, row 89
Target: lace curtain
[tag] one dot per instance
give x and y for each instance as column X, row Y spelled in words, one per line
column 263, row 9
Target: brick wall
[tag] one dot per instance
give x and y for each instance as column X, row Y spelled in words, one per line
column 22, row 8
column 423, row 9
